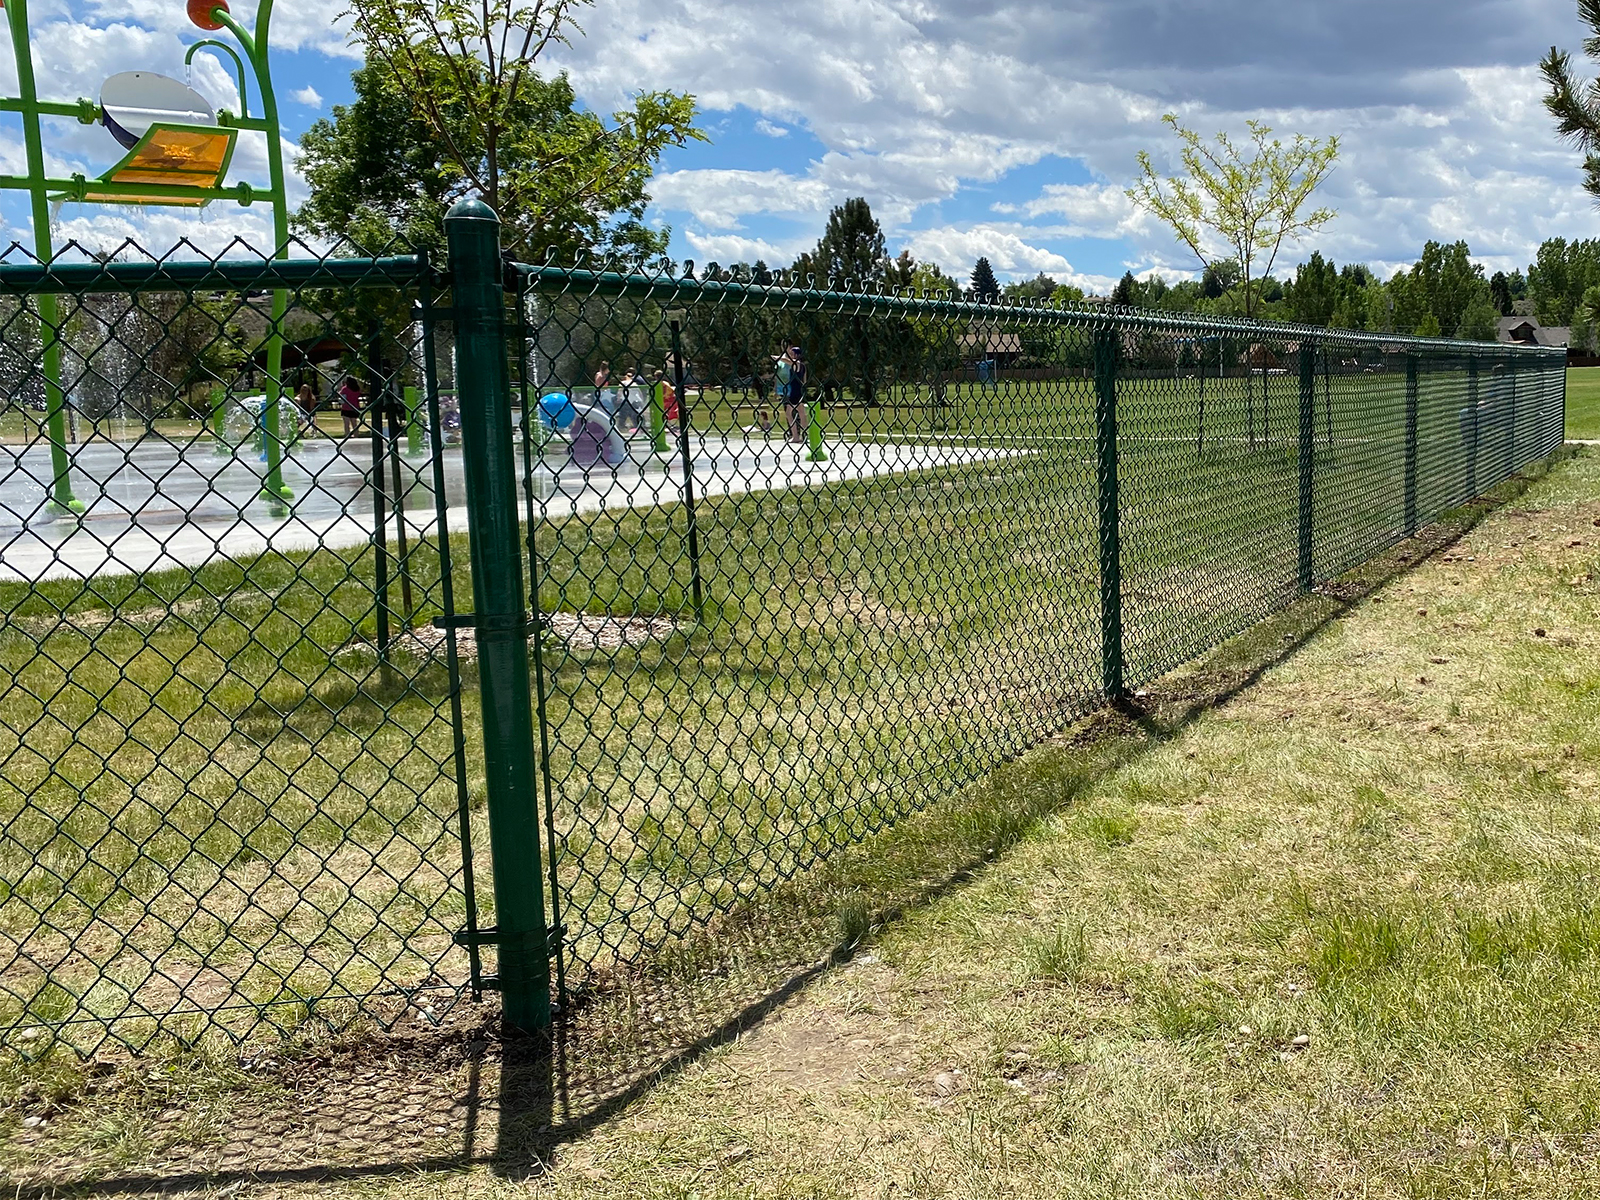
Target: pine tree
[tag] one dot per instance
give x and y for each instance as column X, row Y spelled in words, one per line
column 851, row 250
column 984, row 285
column 1126, row 293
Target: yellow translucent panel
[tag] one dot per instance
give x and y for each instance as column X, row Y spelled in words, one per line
column 177, row 157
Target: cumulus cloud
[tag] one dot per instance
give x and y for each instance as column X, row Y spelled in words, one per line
column 308, row 95
column 916, row 102
column 952, row 247
column 1436, row 102
column 731, row 248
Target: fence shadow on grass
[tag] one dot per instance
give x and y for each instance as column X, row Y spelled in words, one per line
column 426, row 1098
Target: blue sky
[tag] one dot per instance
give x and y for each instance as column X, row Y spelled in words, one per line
column 999, row 127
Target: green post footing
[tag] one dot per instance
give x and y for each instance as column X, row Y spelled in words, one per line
column 414, row 427
column 814, row 434
column 658, row 419
column 1106, row 346
column 483, row 383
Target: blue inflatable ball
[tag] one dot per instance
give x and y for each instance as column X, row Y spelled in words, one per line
column 556, row 410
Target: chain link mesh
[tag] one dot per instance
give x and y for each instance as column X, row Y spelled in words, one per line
column 773, row 624
column 782, row 602
column 229, row 773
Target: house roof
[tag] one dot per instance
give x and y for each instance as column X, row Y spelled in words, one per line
column 1526, row 329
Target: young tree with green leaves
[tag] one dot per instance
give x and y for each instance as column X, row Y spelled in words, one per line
column 1239, row 202
column 498, row 128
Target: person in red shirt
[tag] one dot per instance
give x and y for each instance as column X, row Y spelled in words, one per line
column 350, row 404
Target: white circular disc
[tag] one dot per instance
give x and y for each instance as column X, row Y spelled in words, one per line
column 135, row 100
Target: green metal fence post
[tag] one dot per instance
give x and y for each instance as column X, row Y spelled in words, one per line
column 483, row 383
column 1472, row 425
column 1106, row 342
column 1308, row 459
column 1411, row 444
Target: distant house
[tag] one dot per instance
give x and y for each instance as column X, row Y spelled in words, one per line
column 1004, row 348
column 1526, row 331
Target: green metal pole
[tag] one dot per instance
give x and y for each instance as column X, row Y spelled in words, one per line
column 1472, row 426
column 814, row 434
column 1411, row 445
column 1105, row 427
column 273, row 489
column 414, row 427
column 1308, row 459
column 658, row 419
column 62, row 501
column 483, row 383
column 697, row 590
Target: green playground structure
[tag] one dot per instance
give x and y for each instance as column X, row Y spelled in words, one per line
column 175, row 160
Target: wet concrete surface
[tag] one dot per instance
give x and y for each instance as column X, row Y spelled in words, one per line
column 153, row 504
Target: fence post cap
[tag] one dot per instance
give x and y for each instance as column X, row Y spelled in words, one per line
column 471, row 208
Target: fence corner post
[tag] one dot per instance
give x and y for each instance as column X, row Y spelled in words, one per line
column 483, row 386
column 1411, row 444
column 1106, row 344
column 1308, row 459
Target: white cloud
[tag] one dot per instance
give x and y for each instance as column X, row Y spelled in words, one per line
column 1008, row 253
column 1436, row 102
column 768, row 129
column 731, row 248
column 308, row 95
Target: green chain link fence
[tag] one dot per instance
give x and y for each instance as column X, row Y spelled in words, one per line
column 775, row 623
column 708, row 617
column 231, row 776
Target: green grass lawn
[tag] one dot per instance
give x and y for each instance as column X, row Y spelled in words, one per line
column 214, row 798
column 1583, row 402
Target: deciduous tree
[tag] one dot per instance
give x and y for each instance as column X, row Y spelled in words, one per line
column 500, row 129
column 1239, row 201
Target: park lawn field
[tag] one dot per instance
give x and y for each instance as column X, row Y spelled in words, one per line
column 1314, row 919
column 1583, row 402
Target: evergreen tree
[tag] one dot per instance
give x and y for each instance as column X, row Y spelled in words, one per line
column 984, row 285
column 1500, row 293
column 1127, row 290
column 851, row 251
column 902, row 272
column 1315, row 292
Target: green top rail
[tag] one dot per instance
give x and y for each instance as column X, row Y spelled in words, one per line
column 70, row 278
column 666, row 290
